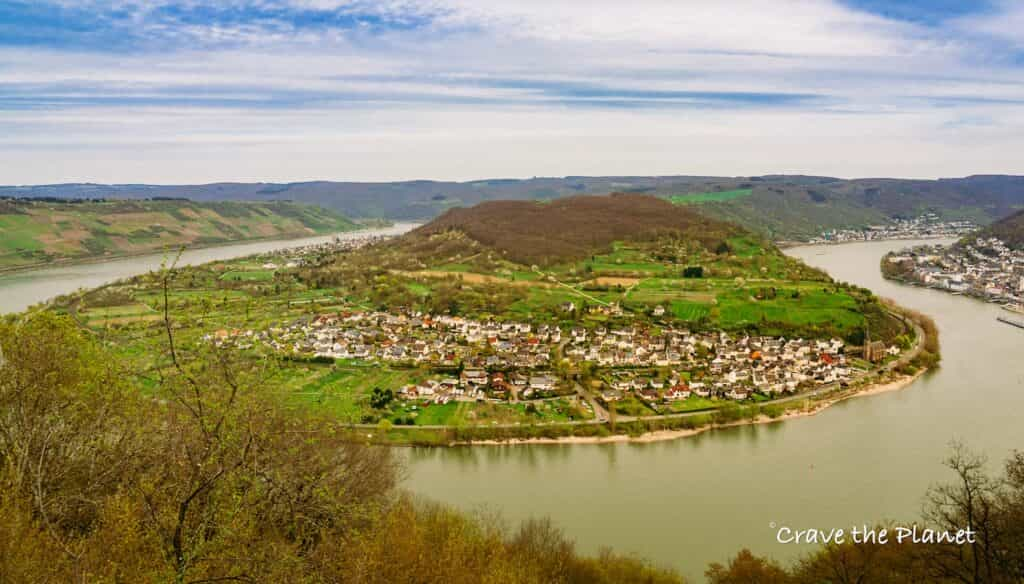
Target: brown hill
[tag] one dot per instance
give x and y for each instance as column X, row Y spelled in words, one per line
column 572, row 228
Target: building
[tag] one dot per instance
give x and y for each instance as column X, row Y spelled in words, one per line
column 874, row 351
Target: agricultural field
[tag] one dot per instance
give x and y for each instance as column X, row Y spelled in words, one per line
column 343, row 389
column 249, row 275
column 691, row 404
column 622, row 258
column 489, row 413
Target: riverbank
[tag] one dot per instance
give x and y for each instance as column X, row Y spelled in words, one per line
column 898, row 384
column 87, row 260
column 794, row 244
column 654, row 428
column 25, row 288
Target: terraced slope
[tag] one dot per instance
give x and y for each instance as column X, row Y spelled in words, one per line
column 40, row 232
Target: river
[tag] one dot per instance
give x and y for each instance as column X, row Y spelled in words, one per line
column 19, row 290
column 691, row 501
column 687, row 502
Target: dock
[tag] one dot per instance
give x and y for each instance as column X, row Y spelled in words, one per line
column 1010, row 322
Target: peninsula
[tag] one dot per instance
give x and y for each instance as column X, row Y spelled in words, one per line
column 582, row 316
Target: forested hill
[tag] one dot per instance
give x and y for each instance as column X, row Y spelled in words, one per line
column 1009, row 229
column 780, row 206
column 533, row 232
column 41, row 231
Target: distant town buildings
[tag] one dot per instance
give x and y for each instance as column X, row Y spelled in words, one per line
column 984, row 268
column 927, row 226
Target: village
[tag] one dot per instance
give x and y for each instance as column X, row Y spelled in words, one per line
column 985, row 268
column 292, row 257
column 472, row 360
column 927, row 226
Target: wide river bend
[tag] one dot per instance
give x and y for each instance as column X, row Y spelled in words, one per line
column 687, row 502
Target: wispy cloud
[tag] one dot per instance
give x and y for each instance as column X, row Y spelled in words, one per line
column 189, row 90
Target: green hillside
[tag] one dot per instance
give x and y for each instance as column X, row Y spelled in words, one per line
column 529, row 260
column 36, row 232
column 1009, row 229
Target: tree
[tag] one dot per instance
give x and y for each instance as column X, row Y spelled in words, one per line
column 971, row 502
column 746, row 568
column 379, row 399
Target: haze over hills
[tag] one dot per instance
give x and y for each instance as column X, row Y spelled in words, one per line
column 779, row 206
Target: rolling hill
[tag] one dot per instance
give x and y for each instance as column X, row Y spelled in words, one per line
column 35, row 232
column 581, row 258
column 532, row 232
column 779, row 206
column 1009, row 229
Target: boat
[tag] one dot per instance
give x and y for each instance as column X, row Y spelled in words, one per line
column 1017, row 308
column 1010, row 321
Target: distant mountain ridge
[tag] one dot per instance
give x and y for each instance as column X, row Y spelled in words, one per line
column 779, row 206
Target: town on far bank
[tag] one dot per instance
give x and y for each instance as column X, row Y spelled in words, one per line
column 982, row 267
column 926, row 226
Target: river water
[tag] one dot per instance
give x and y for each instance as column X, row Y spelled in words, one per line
column 19, row 290
column 691, row 501
column 687, row 502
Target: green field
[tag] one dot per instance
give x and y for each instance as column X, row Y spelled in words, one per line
column 712, row 197
column 342, row 390
column 791, row 306
column 691, row 404
column 248, row 275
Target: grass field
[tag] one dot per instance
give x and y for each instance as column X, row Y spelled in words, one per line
column 342, row 389
column 812, row 306
column 622, row 258
column 697, row 198
column 542, row 299
column 98, row 317
column 631, row 406
column 689, row 311
column 248, row 275
column 691, row 404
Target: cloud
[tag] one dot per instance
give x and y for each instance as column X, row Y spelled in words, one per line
column 1004, row 23
column 189, row 90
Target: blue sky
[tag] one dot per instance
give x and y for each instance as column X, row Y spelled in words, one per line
column 182, row 91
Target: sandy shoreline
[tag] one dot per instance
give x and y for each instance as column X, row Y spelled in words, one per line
column 661, row 435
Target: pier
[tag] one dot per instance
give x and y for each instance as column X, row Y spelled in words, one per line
column 1010, row 322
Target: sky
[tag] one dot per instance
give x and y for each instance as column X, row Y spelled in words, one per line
column 196, row 91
